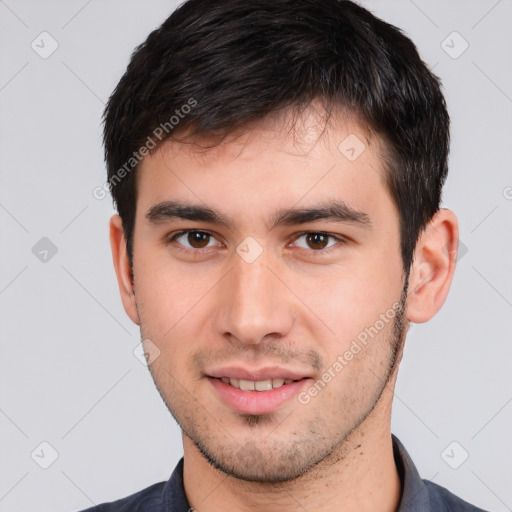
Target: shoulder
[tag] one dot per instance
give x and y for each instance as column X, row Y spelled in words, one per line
column 149, row 499
column 442, row 499
column 423, row 495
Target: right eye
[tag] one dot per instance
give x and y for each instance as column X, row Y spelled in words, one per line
column 192, row 239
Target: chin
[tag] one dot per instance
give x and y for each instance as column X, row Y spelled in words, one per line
column 263, row 463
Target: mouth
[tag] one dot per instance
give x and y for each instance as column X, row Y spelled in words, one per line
column 257, row 385
column 263, row 392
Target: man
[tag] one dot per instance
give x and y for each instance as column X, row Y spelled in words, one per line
column 277, row 168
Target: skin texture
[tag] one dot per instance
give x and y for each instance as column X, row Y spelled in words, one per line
column 298, row 306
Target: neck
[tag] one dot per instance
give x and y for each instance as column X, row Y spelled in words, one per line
column 359, row 476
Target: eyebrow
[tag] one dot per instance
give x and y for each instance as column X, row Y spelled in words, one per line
column 334, row 210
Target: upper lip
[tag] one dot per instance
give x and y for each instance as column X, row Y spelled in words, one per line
column 266, row 373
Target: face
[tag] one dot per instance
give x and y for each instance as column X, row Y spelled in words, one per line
column 267, row 275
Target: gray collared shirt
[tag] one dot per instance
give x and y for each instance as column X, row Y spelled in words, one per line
column 422, row 495
column 417, row 495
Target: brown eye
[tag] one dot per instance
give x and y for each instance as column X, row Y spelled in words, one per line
column 192, row 239
column 317, row 240
column 198, row 239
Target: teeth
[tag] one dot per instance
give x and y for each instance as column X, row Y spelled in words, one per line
column 263, row 385
column 260, row 385
column 246, row 385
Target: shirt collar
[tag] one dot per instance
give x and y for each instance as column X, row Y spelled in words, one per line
column 414, row 491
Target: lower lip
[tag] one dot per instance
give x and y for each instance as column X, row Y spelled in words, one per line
column 256, row 402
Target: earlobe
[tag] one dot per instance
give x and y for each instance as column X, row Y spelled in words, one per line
column 122, row 268
column 433, row 266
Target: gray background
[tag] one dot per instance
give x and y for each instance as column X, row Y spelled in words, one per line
column 69, row 376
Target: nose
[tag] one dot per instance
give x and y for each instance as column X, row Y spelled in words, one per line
column 253, row 303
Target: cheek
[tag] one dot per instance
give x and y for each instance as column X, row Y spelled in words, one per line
column 174, row 315
column 353, row 296
column 169, row 294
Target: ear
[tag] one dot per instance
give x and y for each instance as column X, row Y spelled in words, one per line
column 432, row 270
column 122, row 267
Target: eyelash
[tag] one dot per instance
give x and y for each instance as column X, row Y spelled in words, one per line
column 171, row 238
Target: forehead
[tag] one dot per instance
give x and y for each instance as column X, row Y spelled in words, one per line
column 310, row 132
column 277, row 162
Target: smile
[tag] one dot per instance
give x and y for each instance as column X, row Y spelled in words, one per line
column 256, row 396
column 258, row 385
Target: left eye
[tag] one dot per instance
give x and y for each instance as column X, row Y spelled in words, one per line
column 316, row 240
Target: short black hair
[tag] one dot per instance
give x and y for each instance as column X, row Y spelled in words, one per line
column 215, row 66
